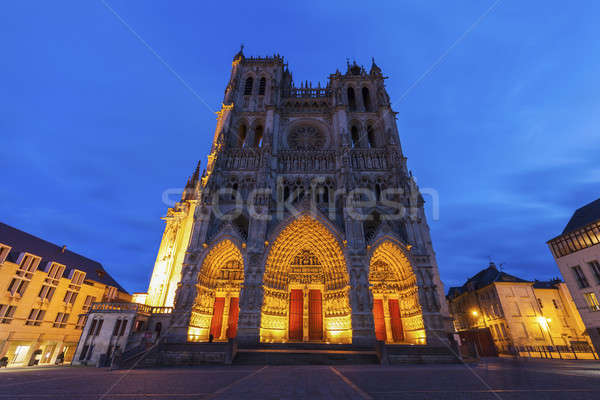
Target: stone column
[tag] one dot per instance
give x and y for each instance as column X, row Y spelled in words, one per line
column 185, row 298
column 225, row 323
column 305, row 321
column 363, row 327
column 388, row 320
column 251, row 299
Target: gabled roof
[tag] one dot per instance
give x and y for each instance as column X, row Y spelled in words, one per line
column 20, row 241
column 482, row 279
column 583, row 216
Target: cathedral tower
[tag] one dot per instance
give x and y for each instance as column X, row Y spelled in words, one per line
column 306, row 224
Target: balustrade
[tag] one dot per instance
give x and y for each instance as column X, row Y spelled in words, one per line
column 305, row 161
column 244, row 158
column 129, row 307
column 369, row 159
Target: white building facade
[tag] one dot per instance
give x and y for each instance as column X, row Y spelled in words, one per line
column 577, row 254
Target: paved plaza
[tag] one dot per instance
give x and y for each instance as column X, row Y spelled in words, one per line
column 488, row 379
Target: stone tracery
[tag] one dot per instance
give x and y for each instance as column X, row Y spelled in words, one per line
column 306, row 256
column 220, row 277
column 394, row 285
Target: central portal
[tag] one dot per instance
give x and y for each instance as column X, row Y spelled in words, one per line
column 306, row 287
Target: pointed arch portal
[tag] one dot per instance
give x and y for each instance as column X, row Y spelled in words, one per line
column 396, row 309
column 216, row 308
column 306, row 286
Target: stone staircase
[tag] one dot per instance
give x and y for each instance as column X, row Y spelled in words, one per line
column 181, row 354
column 189, row 354
column 407, row 354
column 304, row 354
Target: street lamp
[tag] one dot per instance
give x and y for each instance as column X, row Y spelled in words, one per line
column 543, row 321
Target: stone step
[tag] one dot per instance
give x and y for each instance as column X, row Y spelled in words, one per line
column 406, row 354
column 304, row 357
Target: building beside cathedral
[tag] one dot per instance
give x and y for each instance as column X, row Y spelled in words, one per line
column 577, row 253
column 305, row 226
column 501, row 313
column 46, row 291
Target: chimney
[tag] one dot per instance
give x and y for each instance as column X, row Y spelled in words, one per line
column 62, row 250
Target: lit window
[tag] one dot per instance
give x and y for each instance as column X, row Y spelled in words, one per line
column 55, row 272
column 592, row 301
column 6, row 313
column 28, row 263
column 77, row 277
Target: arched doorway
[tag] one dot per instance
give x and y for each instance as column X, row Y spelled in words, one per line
column 306, row 287
column 217, row 304
column 396, row 310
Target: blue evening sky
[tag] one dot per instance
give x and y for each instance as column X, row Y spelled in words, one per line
column 94, row 127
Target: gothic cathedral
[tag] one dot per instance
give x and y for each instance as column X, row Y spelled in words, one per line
column 306, row 225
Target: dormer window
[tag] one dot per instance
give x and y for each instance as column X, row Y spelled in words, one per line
column 27, row 264
column 55, row 272
column 77, row 278
column 110, row 293
column 4, row 250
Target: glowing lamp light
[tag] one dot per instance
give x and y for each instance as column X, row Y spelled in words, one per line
column 475, row 313
column 544, row 321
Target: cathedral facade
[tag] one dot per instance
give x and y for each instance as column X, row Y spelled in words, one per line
column 306, row 225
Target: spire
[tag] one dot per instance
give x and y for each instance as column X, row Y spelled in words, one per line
column 240, row 54
column 196, row 174
column 375, row 70
column 190, row 186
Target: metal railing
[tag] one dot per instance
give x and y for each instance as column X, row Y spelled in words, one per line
column 575, row 351
column 129, row 307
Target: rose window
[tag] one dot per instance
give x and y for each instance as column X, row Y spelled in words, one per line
column 306, row 138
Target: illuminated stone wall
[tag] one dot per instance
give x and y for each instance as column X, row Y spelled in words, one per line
column 306, row 256
column 290, row 158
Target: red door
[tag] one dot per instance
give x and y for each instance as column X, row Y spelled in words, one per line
column 296, row 305
column 396, row 321
column 315, row 315
column 217, row 318
column 379, row 320
column 234, row 311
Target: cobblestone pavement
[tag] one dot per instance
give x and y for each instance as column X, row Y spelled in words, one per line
column 489, row 379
